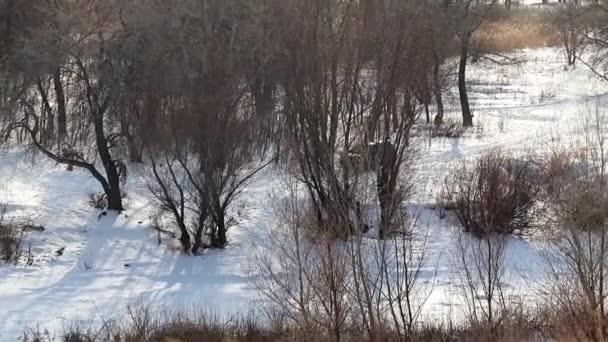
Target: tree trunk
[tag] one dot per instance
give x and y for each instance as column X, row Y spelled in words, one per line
column 62, row 130
column 467, row 117
column 439, row 116
column 113, row 189
column 47, row 122
column 386, row 186
column 114, row 199
column 184, row 238
column 221, row 230
column 438, row 96
column 202, row 220
column 198, row 240
column 135, row 151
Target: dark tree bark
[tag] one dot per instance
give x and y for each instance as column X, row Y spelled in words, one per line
column 203, row 216
column 63, row 160
column 62, row 130
column 386, row 184
column 98, row 109
column 47, row 130
column 113, row 189
column 467, row 117
column 220, row 222
column 439, row 116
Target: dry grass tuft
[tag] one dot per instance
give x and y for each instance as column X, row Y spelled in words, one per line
column 521, row 29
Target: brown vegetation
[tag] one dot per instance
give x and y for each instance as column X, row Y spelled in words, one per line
column 495, row 194
column 518, row 29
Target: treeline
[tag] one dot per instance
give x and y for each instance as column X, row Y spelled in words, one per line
column 206, row 93
column 203, row 90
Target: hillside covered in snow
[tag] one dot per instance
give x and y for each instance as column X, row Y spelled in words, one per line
column 347, row 169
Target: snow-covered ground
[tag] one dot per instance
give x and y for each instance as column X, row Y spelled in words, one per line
column 112, row 261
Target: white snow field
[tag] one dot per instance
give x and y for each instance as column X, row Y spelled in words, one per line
column 112, row 261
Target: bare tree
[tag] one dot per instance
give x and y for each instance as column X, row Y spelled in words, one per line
column 465, row 17
column 202, row 116
column 89, row 49
column 350, row 100
column 596, row 35
column 571, row 21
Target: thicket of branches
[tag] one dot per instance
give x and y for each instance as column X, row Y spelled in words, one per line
column 496, row 194
column 206, row 93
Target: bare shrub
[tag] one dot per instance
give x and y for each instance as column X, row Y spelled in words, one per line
column 448, row 128
column 576, row 180
column 571, row 21
column 402, row 258
column 12, row 240
column 578, row 228
column 482, row 267
column 293, row 274
column 583, row 205
column 197, row 196
column 514, row 324
column 11, row 243
column 98, row 200
column 569, row 313
column 144, row 324
column 354, row 288
column 493, row 195
column 559, row 166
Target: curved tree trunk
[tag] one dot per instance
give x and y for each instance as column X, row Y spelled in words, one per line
column 113, row 189
column 467, row 117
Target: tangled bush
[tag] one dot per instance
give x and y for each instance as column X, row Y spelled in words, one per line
column 494, row 195
column 584, row 205
column 11, row 243
column 12, row 239
column 576, row 195
column 98, row 200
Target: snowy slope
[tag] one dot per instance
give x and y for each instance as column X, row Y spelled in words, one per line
column 520, row 109
column 111, row 261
